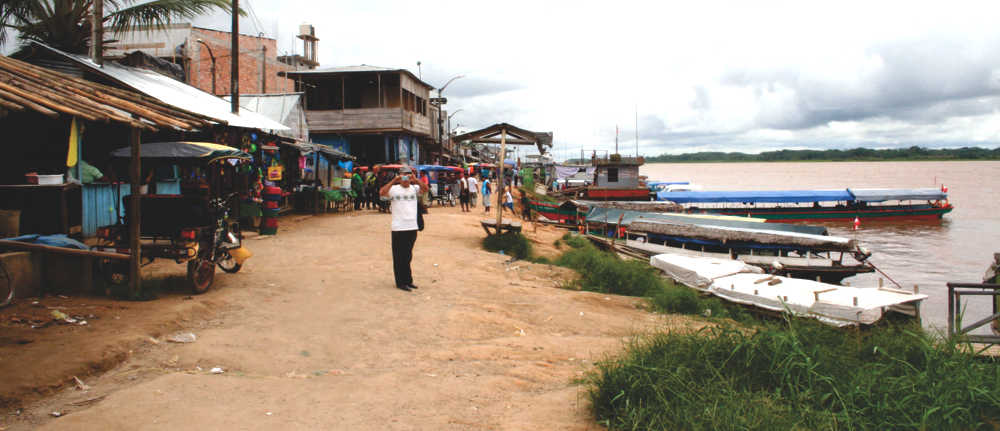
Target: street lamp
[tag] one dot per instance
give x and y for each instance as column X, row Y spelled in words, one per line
column 210, row 55
column 441, row 102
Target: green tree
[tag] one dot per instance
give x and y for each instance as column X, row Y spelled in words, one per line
column 65, row 24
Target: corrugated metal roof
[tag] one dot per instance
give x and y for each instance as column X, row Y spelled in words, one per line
column 284, row 108
column 174, row 93
column 362, row 68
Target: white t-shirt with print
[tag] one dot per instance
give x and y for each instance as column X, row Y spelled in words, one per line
column 404, row 207
column 473, row 185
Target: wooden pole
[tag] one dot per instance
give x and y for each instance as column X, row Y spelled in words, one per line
column 97, row 32
column 234, row 53
column 500, row 180
column 135, row 177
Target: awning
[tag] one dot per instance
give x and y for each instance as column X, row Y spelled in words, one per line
column 182, row 150
column 880, row 195
column 756, row 196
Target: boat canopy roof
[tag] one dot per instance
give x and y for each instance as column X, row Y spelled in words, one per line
column 667, row 183
column 799, row 196
column 880, row 195
column 754, row 196
column 182, row 150
column 610, row 216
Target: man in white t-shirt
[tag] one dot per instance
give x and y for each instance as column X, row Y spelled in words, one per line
column 473, row 190
column 403, row 192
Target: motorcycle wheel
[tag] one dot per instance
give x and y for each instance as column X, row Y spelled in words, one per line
column 200, row 273
column 229, row 265
column 6, row 287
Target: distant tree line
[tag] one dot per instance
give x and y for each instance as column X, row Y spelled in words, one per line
column 855, row 154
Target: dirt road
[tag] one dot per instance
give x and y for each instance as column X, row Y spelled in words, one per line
column 313, row 335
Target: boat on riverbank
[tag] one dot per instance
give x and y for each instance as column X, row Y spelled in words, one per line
column 792, row 250
column 820, row 205
column 743, row 284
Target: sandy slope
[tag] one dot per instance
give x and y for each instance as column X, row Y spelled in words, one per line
column 312, row 335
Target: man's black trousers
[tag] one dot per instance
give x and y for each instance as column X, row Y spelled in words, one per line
column 402, row 254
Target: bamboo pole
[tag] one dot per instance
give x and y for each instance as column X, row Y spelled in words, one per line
column 500, row 180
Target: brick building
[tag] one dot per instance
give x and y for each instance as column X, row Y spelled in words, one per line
column 192, row 49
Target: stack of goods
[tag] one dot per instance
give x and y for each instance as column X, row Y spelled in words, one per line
column 269, row 224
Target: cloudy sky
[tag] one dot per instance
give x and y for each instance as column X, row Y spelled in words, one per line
column 706, row 75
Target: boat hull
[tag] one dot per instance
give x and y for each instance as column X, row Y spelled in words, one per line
column 637, row 194
column 785, row 215
column 553, row 212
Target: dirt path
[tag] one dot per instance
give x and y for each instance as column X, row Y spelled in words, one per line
column 312, row 335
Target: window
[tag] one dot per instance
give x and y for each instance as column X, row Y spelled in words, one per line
column 612, row 175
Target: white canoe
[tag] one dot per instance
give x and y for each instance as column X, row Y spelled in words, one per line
column 831, row 304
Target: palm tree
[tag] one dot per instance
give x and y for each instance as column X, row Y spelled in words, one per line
column 66, row 24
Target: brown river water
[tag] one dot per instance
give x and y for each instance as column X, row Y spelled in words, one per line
column 959, row 248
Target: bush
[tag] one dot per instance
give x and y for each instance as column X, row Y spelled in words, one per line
column 678, row 299
column 511, row 243
column 796, row 375
column 604, row 272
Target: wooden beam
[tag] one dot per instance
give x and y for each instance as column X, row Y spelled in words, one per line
column 25, row 246
column 511, row 141
column 503, row 186
column 135, row 174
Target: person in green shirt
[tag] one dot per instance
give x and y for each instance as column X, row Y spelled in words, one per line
column 358, row 187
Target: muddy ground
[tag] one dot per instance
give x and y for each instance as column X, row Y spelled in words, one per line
column 311, row 334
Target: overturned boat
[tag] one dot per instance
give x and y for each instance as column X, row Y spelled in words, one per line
column 738, row 282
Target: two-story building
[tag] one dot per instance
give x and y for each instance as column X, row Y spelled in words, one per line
column 376, row 114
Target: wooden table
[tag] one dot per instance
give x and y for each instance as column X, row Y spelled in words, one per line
column 45, row 209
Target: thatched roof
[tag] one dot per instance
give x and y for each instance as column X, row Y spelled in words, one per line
column 24, row 86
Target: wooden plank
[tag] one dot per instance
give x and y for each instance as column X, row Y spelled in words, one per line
column 25, row 246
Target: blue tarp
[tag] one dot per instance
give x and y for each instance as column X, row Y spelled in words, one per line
column 756, row 196
column 56, row 240
column 433, row 168
column 880, row 195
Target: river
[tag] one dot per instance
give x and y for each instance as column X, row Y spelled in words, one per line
column 959, row 248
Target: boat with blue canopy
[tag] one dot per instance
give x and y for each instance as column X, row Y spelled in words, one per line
column 817, row 205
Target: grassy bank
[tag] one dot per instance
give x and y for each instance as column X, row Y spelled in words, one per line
column 797, row 375
column 775, row 374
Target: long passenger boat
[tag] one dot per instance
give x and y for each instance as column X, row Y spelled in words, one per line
column 817, row 205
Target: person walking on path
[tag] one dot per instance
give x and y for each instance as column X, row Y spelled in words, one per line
column 371, row 192
column 403, row 192
column 463, row 192
column 487, row 191
column 473, row 191
column 508, row 200
column 358, row 187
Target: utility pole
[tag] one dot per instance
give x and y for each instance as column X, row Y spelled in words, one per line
column 234, row 53
column 263, row 63
column 97, row 33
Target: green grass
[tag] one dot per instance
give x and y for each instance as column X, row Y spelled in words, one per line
column 511, row 243
column 796, row 375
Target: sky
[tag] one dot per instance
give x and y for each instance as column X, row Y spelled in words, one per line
column 694, row 76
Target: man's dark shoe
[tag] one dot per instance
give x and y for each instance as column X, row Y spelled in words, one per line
column 412, row 286
column 403, row 287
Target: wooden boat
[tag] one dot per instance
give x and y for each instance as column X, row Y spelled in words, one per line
column 800, row 251
column 831, row 304
column 817, row 205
